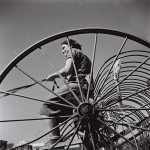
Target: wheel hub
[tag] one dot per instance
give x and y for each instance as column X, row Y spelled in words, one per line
column 85, row 109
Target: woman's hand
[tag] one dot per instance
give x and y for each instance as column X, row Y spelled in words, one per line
column 51, row 77
column 64, row 72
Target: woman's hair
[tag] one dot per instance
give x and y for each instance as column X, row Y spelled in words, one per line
column 73, row 43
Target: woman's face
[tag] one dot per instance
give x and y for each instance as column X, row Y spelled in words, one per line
column 65, row 49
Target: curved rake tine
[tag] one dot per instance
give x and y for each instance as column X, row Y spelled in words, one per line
column 81, row 92
column 131, row 138
column 142, row 90
column 45, row 87
column 45, row 133
column 130, row 129
column 112, row 65
column 60, row 75
column 120, row 118
column 92, row 67
column 65, row 127
column 35, row 99
column 74, row 134
column 127, row 97
column 134, row 111
column 103, row 67
column 135, row 83
column 93, row 142
column 124, row 79
column 117, row 133
column 61, row 139
column 133, row 126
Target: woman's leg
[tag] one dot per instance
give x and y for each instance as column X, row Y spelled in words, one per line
column 51, row 123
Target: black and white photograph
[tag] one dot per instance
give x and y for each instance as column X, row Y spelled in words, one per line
column 74, row 74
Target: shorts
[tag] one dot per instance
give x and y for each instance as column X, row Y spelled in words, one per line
column 52, row 110
column 49, row 109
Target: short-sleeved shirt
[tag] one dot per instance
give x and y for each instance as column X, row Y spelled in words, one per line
column 82, row 63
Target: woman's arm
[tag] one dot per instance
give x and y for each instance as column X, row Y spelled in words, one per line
column 64, row 71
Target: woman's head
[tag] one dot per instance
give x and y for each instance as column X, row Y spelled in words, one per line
column 72, row 43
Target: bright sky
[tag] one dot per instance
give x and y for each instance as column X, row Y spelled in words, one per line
column 24, row 22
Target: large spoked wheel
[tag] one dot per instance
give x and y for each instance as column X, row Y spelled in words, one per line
column 112, row 113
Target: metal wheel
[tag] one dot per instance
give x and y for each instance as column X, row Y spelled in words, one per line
column 114, row 112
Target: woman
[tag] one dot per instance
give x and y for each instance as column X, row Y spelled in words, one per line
column 83, row 68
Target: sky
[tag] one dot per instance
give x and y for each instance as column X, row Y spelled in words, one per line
column 25, row 22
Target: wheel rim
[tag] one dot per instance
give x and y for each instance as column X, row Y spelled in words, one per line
column 133, row 80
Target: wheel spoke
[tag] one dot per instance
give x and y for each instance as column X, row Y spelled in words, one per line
column 124, row 79
column 14, row 90
column 33, row 119
column 92, row 138
column 45, row 87
column 107, row 124
column 123, row 109
column 75, row 132
column 45, row 133
column 144, row 89
column 135, row 93
column 81, row 92
column 60, row 75
column 133, row 111
column 92, row 67
column 111, row 66
column 130, row 129
column 131, row 138
column 127, row 131
column 133, row 126
column 62, row 138
column 117, row 133
column 35, row 99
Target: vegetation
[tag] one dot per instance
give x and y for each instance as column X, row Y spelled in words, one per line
column 143, row 143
